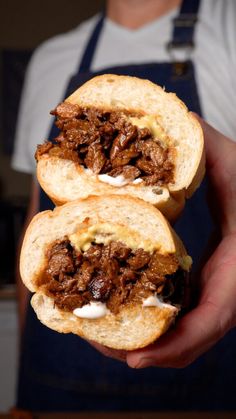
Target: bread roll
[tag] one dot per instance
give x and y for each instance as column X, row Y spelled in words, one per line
column 55, row 254
column 169, row 162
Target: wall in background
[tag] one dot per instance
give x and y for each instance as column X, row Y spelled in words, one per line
column 24, row 25
column 8, row 354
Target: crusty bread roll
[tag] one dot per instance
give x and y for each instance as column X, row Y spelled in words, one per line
column 170, row 124
column 112, row 218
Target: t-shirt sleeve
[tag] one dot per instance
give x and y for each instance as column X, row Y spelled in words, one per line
column 229, row 36
column 22, row 159
column 229, row 16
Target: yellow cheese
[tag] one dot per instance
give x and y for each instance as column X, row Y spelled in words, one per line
column 105, row 233
column 150, row 122
column 185, row 262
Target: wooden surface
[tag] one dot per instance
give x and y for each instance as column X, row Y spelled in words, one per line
column 122, row 415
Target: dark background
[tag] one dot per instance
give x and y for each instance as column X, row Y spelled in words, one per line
column 24, row 25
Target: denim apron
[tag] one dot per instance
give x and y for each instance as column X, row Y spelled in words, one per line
column 64, row 373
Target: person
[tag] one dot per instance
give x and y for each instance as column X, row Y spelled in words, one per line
column 165, row 42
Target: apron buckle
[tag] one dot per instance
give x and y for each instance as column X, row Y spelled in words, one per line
column 185, row 20
column 179, row 51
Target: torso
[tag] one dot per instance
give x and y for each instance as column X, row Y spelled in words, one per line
column 58, row 59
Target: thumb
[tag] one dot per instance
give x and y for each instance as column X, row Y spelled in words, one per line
column 194, row 334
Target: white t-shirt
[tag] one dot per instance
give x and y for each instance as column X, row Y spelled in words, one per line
column 56, row 60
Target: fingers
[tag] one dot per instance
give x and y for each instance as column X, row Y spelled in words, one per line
column 194, row 334
column 202, row 327
column 119, row 355
column 215, row 142
column 221, row 158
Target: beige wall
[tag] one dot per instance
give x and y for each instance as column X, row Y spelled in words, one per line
column 25, row 24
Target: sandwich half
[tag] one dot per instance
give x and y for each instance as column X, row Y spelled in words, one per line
column 107, row 268
column 123, row 135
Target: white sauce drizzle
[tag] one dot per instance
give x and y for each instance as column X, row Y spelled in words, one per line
column 114, row 181
column 93, row 310
column 137, row 181
column 154, row 301
column 118, row 180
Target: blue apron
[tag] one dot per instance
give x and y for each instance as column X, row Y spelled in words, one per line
column 64, row 373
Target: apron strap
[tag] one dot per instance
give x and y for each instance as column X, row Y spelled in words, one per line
column 182, row 36
column 87, row 57
column 184, row 25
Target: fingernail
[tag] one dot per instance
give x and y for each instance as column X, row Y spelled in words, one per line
column 144, row 363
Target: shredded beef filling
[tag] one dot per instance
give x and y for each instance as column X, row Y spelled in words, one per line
column 111, row 273
column 106, row 142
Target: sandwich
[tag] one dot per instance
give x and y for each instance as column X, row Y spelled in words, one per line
column 107, row 268
column 127, row 136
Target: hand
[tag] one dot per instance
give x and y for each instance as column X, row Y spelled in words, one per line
column 215, row 313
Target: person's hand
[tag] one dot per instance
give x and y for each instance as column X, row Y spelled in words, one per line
column 215, row 313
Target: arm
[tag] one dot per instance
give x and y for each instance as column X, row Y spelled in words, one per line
column 22, row 291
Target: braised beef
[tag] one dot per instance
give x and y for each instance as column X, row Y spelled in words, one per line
column 67, row 111
column 162, row 265
column 106, row 142
column 84, row 275
column 69, row 302
column 119, row 250
column 60, row 260
column 122, row 140
column 111, row 273
column 123, row 157
column 139, row 259
column 154, row 152
column 42, row 149
column 93, row 254
column 95, row 158
column 127, row 275
column 100, row 286
column 128, row 172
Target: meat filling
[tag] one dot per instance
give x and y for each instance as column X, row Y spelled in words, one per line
column 107, row 143
column 111, row 273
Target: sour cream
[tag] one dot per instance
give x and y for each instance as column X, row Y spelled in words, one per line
column 118, row 181
column 137, row 181
column 114, row 181
column 154, row 301
column 93, row 310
